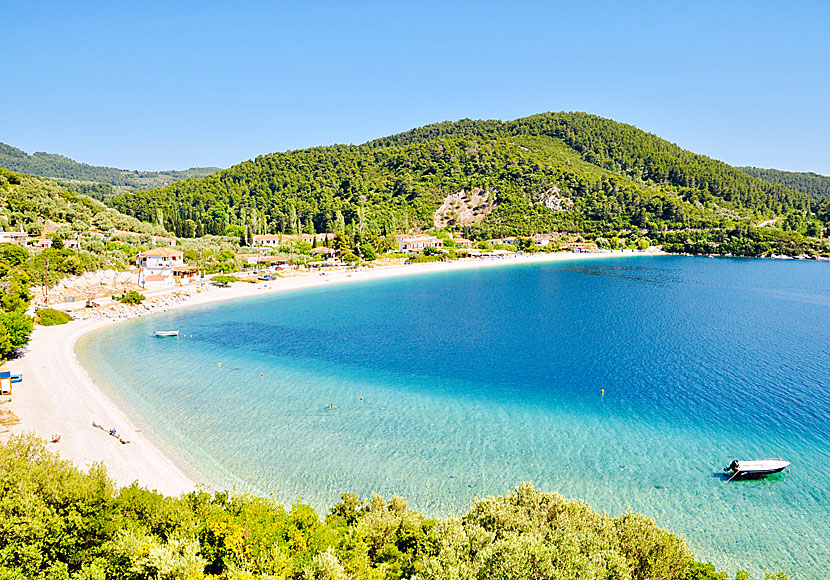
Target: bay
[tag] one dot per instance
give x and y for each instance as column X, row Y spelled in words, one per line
column 626, row 382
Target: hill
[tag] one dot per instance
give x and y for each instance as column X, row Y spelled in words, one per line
column 815, row 185
column 60, row 167
column 552, row 172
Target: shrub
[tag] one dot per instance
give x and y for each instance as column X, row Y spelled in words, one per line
column 132, row 297
column 224, row 279
column 52, row 317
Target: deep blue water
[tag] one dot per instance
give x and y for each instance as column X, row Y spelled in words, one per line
column 475, row 381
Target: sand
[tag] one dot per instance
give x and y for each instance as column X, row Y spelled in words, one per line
column 58, row 396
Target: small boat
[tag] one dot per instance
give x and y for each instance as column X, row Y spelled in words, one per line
column 757, row 468
column 166, row 333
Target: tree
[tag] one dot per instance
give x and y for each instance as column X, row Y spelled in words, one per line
column 339, row 222
column 16, row 296
column 341, row 242
column 368, row 251
column 18, row 327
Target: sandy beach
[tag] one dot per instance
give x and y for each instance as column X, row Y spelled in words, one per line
column 58, row 396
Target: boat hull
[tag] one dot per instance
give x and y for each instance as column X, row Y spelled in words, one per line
column 163, row 333
column 756, row 469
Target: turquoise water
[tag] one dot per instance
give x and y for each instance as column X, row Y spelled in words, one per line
column 475, row 381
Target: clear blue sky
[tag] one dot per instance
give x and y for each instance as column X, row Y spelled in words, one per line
column 170, row 85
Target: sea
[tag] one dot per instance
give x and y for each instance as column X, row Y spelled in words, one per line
column 629, row 383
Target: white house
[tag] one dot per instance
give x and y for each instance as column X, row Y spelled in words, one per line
column 156, row 267
column 19, row 238
column 267, row 240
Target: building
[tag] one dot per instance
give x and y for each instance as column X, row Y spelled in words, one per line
column 19, row 238
column 72, row 244
column 418, row 243
column 508, row 241
column 273, row 261
column 249, row 259
column 274, row 240
column 185, row 274
column 324, row 251
column 156, row 266
column 267, row 241
column 310, row 238
column 40, row 243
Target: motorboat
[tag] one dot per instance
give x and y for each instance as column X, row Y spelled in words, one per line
column 166, row 333
column 756, row 468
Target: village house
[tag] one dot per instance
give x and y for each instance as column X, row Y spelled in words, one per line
column 310, row 238
column 156, row 266
column 274, row 240
column 508, row 241
column 324, row 251
column 40, row 243
column 463, row 242
column 185, row 274
column 277, row 262
column 407, row 243
column 19, row 238
column 267, row 240
column 249, row 259
column 72, row 244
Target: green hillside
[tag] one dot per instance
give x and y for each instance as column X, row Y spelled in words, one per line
column 60, row 167
column 815, row 185
column 552, row 172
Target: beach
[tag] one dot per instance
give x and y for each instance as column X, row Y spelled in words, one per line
column 58, row 396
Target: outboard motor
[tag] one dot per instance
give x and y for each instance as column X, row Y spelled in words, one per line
column 732, row 466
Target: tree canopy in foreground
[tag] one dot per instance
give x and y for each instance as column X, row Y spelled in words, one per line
column 57, row 522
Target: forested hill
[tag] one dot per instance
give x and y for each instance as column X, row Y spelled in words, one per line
column 60, row 167
column 815, row 185
column 555, row 171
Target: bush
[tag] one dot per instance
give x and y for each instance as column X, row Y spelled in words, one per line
column 224, row 279
column 418, row 259
column 52, row 317
column 132, row 297
column 59, row 522
column 368, row 251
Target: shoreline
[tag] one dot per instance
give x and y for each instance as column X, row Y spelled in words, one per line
column 59, row 396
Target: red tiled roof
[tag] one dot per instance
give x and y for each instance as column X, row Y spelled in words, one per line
column 163, row 251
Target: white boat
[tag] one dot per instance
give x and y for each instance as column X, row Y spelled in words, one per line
column 166, row 333
column 756, row 468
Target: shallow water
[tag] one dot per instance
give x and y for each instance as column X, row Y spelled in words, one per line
column 475, row 381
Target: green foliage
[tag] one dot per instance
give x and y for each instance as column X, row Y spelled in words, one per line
column 553, row 172
column 58, row 166
column 57, row 522
column 224, row 279
column 51, row 317
column 813, row 184
column 368, row 251
column 34, row 200
column 132, row 297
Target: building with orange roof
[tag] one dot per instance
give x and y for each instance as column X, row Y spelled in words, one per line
column 156, row 266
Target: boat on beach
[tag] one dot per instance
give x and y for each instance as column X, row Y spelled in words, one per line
column 756, row 468
column 166, row 333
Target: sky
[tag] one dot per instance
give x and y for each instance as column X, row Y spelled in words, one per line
column 171, row 85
